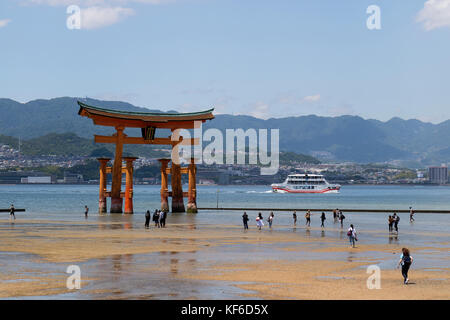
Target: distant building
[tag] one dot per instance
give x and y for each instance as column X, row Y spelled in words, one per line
column 45, row 179
column 73, row 178
column 438, row 174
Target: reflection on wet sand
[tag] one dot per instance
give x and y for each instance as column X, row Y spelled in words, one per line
column 393, row 239
column 122, row 260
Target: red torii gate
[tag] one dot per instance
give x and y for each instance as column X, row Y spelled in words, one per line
column 148, row 122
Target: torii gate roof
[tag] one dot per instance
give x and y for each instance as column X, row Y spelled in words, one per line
column 108, row 117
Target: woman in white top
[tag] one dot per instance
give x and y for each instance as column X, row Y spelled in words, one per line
column 259, row 221
column 351, row 233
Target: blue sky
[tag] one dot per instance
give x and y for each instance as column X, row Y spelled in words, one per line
column 258, row 57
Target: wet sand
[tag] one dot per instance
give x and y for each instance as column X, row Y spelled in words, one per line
column 193, row 261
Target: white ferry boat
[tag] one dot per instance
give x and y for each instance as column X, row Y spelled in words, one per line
column 305, row 183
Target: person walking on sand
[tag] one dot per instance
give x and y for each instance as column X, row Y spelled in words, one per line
column 396, row 221
column 156, row 218
column 245, row 220
column 390, row 222
column 411, row 214
column 162, row 219
column 12, row 211
column 259, row 221
column 294, row 216
column 322, row 219
column 341, row 218
column 308, row 218
column 405, row 261
column 147, row 219
column 351, row 233
column 335, row 211
column 86, row 211
column 270, row 219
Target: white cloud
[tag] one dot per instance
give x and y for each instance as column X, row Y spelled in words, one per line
column 98, row 17
column 4, row 22
column 260, row 110
column 312, row 98
column 98, row 13
column 90, row 3
column 435, row 14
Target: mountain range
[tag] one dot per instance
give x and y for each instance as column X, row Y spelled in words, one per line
column 343, row 138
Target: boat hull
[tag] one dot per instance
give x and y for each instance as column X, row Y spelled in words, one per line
column 279, row 189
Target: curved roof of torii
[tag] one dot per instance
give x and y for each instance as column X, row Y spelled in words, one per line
column 108, row 117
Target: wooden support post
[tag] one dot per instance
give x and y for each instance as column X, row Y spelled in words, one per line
column 192, row 192
column 116, row 200
column 102, row 207
column 129, row 184
column 177, row 190
column 164, row 185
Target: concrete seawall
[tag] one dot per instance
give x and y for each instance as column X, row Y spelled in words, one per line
column 329, row 210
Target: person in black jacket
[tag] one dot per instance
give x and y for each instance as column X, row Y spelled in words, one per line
column 147, row 219
column 245, row 220
column 11, row 212
column 322, row 219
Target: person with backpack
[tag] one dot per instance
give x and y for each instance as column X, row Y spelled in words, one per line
column 245, row 220
column 405, row 261
column 323, row 218
column 351, row 233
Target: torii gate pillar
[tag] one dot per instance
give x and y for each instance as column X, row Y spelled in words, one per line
column 129, row 184
column 116, row 199
column 164, row 185
column 102, row 208
column 177, row 190
column 192, row 191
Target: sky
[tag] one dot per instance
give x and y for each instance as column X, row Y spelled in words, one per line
column 263, row 58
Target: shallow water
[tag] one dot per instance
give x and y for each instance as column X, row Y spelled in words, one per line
column 125, row 276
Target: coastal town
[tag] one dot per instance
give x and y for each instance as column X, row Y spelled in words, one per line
column 16, row 168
